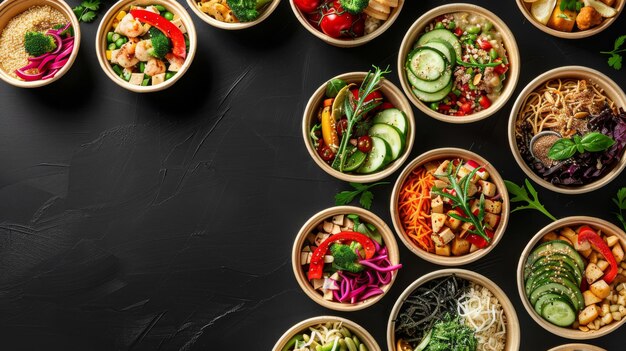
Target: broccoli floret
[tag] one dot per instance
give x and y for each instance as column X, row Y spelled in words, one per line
column 246, row 10
column 161, row 44
column 354, row 6
column 345, row 257
column 37, row 44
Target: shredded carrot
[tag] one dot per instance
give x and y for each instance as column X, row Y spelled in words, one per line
column 414, row 208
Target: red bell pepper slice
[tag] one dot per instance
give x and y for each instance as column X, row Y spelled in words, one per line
column 587, row 234
column 168, row 28
column 478, row 240
column 316, row 267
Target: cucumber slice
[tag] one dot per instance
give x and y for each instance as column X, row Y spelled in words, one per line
column 442, row 34
column 550, row 277
column 545, row 299
column 431, row 86
column 559, row 313
column 561, row 260
column 433, row 97
column 572, row 295
column 427, row 63
column 391, row 135
column 355, row 160
column 393, row 117
column 446, row 48
column 378, row 158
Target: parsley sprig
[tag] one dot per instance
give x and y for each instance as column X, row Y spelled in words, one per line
column 615, row 60
column 520, row 194
column 347, row 196
column 86, row 11
column 461, row 199
column 620, row 202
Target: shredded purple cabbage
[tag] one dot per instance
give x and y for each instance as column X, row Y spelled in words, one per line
column 587, row 167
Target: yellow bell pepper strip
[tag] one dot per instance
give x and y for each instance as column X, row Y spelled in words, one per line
column 587, row 234
column 168, row 28
column 329, row 129
column 316, row 267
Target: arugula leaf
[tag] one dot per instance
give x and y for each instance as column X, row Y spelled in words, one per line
column 615, row 60
column 345, row 197
column 520, row 194
column 620, row 202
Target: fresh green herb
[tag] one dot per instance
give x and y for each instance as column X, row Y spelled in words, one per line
column 87, row 10
column 620, row 202
column 564, row 16
column 591, row 142
column 460, row 198
column 347, row 196
column 355, row 111
column 333, row 87
column 449, row 334
column 615, row 60
column 312, row 133
column 477, row 64
column 520, row 194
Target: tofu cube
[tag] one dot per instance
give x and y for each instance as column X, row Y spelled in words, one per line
column 493, row 206
column 590, row 298
column 442, row 250
column 562, row 21
column 569, row 234
column 473, row 248
column 602, row 264
column 492, row 220
column 600, row 288
column 328, row 295
column 158, row 78
column 437, row 240
column 460, row 246
column 463, row 171
column 336, row 229
column 593, row 257
column 475, row 206
column 465, row 227
column 593, row 273
column 436, row 205
column 305, row 257
column 563, row 238
column 318, row 283
column 446, row 236
column 320, row 237
column 473, row 189
column 586, row 253
column 588, row 315
column 437, row 221
column 136, row 78
column 618, row 252
column 440, row 184
column 114, row 56
column 612, row 240
column 442, row 170
column 453, row 223
column 327, row 226
column 487, row 188
column 338, row 219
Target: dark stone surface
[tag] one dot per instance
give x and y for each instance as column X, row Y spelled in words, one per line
column 166, row 221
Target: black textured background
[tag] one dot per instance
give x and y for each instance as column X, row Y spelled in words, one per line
column 165, row 221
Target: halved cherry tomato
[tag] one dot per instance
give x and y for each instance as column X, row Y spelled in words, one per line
column 326, row 153
column 307, row 6
column 458, row 31
column 501, row 69
column 466, row 107
column 484, row 44
column 341, row 126
column 364, row 143
column 484, row 101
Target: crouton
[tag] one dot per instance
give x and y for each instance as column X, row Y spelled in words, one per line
column 492, row 220
column 590, row 298
column 442, row 250
column 602, row 264
column 618, row 252
column 611, row 240
column 442, row 170
column 487, row 188
column 460, row 246
column 493, row 206
column 593, row 273
column 588, row 315
column 600, row 288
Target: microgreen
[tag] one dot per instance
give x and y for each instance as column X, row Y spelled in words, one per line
column 520, row 194
column 347, row 196
column 615, row 60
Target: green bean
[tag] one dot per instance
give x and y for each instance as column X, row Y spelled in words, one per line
column 114, row 37
column 356, row 340
column 434, row 106
column 350, row 344
column 493, row 54
column 473, row 29
column 119, row 42
column 169, row 75
column 145, row 82
column 362, row 347
column 142, row 66
column 161, row 8
column 168, row 15
column 345, row 332
column 112, row 46
column 306, row 337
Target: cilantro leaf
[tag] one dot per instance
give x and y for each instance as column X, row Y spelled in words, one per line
column 620, row 202
column 619, row 42
column 520, row 194
column 93, row 5
column 78, row 11
column 88, row 16
column 615, row 61
column 366, row 199
column 347, row 196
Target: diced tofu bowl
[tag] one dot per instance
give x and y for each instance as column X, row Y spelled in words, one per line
column 146, row 45
column 345, row 258
column 324, row 331
column 452, row 308
column 576, row 22
column 217, row 13
column 368, row 144
column 459, row 63
column 569, row 106
column 330, row 22
column 450, row 206
column 571, row 277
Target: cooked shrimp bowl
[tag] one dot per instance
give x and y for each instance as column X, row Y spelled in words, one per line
column 146, row 45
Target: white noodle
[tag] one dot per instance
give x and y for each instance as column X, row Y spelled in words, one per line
column 481, row 311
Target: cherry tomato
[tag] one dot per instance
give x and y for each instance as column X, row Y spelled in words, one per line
column 501, row 69
column 376, row 96
column 484, row 44
column 386, row 105
column 484, row 101
column 336, row 22
column 403, row 345
column 307, row 6
column 364, row 144
column 466, row 107
column 444, row 108
column 341, row 126
column 458, row 31
column 459, row 113
column 326, row 153
column 358, row 27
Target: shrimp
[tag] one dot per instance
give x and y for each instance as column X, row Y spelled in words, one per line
column 125, row 56
column 175, row 62
column 142, row 50
column 154, row 67
column 130, row 27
